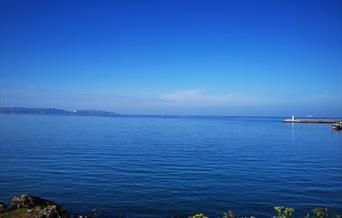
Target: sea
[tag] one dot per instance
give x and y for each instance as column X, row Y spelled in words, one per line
column 171, row 166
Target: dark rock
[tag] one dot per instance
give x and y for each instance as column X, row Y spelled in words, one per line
column 50, row 211
column 41, row 208
column 2, row 206
column 28, row 201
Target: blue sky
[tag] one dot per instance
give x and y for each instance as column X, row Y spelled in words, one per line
column 243, row 57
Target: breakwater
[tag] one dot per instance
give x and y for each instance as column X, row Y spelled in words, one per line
column 311, row 121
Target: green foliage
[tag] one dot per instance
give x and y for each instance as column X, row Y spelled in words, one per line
column 229, row 214
column 307, row 215
column 16, row 213
column 320, row 212
column 199, row 215
column 283, row 212
column 95, row 213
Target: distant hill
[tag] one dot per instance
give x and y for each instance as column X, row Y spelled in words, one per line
column 54, row 111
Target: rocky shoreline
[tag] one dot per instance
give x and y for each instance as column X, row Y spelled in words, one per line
column 28, row 206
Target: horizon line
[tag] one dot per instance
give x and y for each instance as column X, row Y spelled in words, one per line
column 148, row 114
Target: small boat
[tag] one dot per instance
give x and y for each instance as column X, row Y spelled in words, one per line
column 337, row 126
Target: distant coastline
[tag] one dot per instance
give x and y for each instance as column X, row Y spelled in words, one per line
column 101, row 113
column 55, row 111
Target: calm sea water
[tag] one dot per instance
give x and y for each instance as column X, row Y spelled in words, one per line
column 152, row 166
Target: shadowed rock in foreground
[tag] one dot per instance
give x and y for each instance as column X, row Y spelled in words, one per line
column 27, row 206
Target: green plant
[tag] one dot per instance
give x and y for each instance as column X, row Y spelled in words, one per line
column 199, row 215
column 307, row 215
column 229, row 214
column 283, row 212
column 320, row 212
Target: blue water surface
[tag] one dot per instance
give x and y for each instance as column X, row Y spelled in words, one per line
column 174, row 166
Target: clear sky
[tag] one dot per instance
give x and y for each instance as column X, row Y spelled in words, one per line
column 243, row 57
